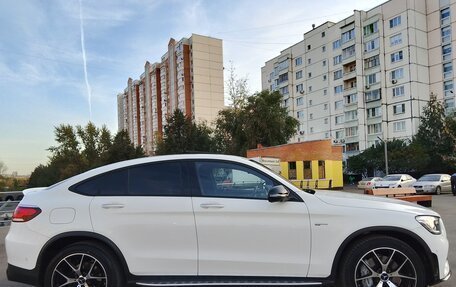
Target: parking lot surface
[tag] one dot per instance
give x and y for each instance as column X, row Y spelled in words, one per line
column 444, row 204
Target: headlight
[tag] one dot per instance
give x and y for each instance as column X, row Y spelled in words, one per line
column 431, row 223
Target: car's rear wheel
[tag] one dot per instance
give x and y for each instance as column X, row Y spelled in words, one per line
column 438, row 190
column 382, row 261
column 84, row 264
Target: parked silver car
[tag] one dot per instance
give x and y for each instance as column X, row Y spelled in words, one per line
column 433, row 183
column 395, row 180
column 368, row 182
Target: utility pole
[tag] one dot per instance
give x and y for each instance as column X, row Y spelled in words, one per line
column 386, row 154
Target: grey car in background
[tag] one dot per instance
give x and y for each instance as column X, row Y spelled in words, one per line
column 433, row 183
column 368, row 182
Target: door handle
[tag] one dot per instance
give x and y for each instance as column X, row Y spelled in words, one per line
column 212, row 205
column 112, row 205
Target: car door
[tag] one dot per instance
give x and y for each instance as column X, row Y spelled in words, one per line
column 240, row 233
column 147, row 212
column 446, row 184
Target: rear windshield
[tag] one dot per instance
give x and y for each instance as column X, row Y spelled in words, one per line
column 391, row 178
column 431, row 177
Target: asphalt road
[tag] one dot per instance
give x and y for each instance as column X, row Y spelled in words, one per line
column 444, row 204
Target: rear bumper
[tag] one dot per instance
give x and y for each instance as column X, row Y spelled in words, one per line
column 22, row 275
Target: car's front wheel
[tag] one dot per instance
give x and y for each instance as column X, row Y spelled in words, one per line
column 382, row 261
column 438, row 190
column 84, row 264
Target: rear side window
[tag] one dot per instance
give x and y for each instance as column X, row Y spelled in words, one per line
column 161, row 179
column 110, row 183
column 157, row 179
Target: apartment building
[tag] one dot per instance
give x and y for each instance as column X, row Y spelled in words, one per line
column 368, row 77
column 189, row 77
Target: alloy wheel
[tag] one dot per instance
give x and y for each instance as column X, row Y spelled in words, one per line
column 79, row 270
column 385, row 267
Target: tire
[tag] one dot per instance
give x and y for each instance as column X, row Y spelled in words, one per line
column 377, row 259
column 97, row 261
column 438, row 190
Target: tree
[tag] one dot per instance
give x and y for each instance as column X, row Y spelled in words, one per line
column 182, row 135
column 436, row 136
column 262, row 120
column 82, row 148
column 238, row 91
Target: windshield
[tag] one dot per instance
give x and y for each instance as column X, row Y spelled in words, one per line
column 430, row 177
column 391, row 178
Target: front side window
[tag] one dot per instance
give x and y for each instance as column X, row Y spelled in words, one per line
column 224, row 179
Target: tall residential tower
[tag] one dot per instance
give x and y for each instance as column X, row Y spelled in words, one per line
column 368, row 77
column 189, row 77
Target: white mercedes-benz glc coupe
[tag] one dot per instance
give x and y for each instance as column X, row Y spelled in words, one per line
column 191, row 220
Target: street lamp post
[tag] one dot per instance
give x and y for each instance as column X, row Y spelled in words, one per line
column 386, row 154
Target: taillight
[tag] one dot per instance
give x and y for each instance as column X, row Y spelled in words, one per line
column 25, row 213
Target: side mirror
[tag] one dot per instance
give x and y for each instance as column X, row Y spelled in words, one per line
column 278, row 194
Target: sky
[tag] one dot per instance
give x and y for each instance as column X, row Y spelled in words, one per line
column 42, row 68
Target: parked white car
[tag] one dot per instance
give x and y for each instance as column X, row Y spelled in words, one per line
column 433, row 183
column 395, row 180
column 193, row 220
column 368, row 182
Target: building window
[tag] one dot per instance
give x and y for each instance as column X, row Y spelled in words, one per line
column 351, row 99
column 310, row 102
column 445, row 16
column 372, row 62
column 396, row 21
column 449, row 103
column 351, row 115
column 374, row 112
column 446, row 52
column 370, row 29
column 321, row 169
column 339, row 134
column 324, row 77
column 348, row 36
column 397, row 74
column 283, row 78
column 310, row 88
column 300, row 114
column 325, row 92
column 447, row 70
column 311, row 116
column 396, row 57
column 399, row 126
column 338, row 104
column 310, row 75
column 371, row 45
column 399, row 109
column 292, row 170
column 323, row 34
column 307, row 170
column 447, row 86
column 285, row 102
column 396, row 39
column 374, row 129
column 311, row 130
column 446, row 34
column 371, row 79
column 337, row 59
column 348, row 52
column 284, row 90
column 326, row 120
column 300, row 101
column 298, row 75
column 373, row 95
column 325, row 107
column 323, row 49
column 336, row 44
column 324, row 63
column 351, row 132
column 352, row 147
column 309, row 47
column 298, row 61
column 309, row 61
column 339, row 119
column 338, row 74
column 398, row 91
column 338, row 89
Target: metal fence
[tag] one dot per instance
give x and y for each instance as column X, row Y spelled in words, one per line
column 8, row 203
